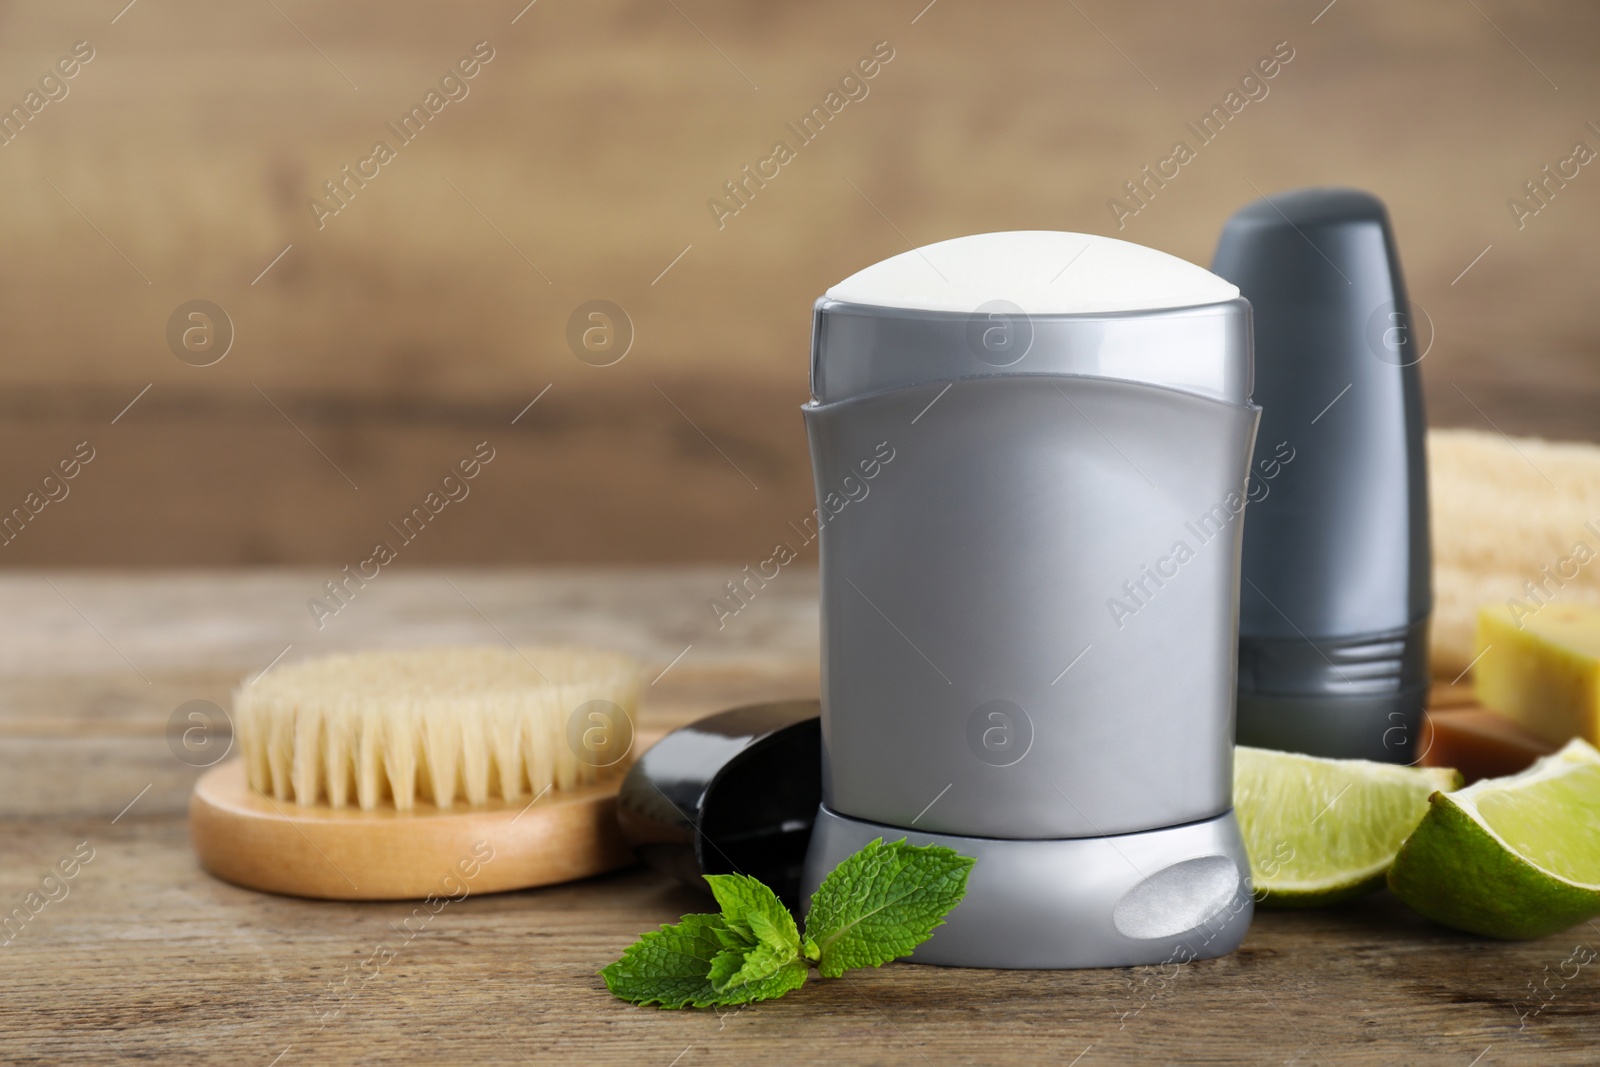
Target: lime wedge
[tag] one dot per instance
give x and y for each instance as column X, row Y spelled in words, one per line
column 1514, row 857
column 1320, row 831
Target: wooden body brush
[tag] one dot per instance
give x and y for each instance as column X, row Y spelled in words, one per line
column 395, row 775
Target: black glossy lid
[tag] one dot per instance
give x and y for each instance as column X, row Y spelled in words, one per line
column 735, row 792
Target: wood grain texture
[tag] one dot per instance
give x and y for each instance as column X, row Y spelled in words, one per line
column 427, row 313
column 146, row 958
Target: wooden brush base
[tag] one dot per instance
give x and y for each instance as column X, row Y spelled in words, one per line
column 258, row 842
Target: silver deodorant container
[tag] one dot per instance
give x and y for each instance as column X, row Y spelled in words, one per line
column 1031, row 452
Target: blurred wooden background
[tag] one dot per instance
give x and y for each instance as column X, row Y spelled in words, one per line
column 424, row 316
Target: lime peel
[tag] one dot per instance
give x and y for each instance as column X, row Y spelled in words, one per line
column 1460, row 870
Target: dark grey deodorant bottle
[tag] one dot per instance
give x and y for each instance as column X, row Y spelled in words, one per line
column 1336, row 591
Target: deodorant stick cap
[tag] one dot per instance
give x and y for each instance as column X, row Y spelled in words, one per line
column 1032, row 302
column 735, row 792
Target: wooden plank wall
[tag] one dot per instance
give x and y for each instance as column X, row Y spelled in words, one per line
column 577, row 164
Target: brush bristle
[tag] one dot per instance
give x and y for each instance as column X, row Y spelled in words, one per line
column 436, row 725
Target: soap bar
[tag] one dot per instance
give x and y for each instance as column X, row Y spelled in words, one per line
column 1539, row 666
column 1479, row 743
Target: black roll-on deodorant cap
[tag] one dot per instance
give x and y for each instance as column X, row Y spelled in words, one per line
column 1336, row 592
column 732, row 793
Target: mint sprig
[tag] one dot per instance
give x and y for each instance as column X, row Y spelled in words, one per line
column 874, row 907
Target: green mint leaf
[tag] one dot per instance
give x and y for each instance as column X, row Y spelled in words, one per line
column 734, row 968
column 738, row 988
column 729, row 939
column 751, row 910
column 728, row 963
column 777, row 932
column 882, row 902
column 750, row 952
column 670, row 966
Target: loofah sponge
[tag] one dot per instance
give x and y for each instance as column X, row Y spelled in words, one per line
column 437, row 725
column 1516, row 521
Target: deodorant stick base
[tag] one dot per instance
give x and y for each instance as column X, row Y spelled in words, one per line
column 1157, row 897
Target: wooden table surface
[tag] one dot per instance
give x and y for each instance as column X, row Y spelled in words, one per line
column 147, row 958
